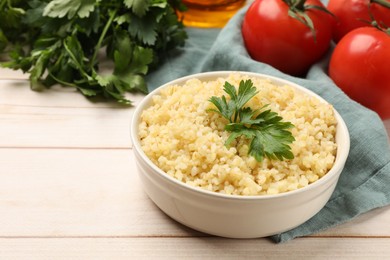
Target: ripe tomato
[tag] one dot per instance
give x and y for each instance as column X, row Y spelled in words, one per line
column 352, row 14
column 273, row 37
column 360, row 66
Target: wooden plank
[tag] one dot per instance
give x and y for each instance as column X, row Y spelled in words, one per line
column 60, row 118
column 374, row 223
column 18, row 92
column 193, row 248
column 76, row 193
column 97, row 192
column 12, row 74
column 24, row 126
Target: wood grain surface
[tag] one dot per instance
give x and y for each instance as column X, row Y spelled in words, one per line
column 69, row 189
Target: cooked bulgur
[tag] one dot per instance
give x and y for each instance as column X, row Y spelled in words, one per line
column 187, row 142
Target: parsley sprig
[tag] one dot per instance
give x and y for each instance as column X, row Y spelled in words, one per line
column 64, row 41
column 269, row 136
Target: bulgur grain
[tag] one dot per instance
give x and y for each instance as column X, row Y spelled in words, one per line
column 187, row 142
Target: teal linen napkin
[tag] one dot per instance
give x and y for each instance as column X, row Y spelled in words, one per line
column 365, row 180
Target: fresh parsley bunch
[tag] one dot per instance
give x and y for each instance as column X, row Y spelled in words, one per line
column 269, row 136
column 64, row 41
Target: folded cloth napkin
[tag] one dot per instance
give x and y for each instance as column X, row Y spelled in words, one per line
column 365, row 180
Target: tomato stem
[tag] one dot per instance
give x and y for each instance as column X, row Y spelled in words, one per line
column 382, row 27
column 299, row 4
column 381, row 2
column 297, row 10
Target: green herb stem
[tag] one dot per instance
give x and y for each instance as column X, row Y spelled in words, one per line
column 74, row 59
column 63, row 82
column 2, row 3
column 101, row 38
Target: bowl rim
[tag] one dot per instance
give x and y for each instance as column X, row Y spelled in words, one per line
column 332, row 173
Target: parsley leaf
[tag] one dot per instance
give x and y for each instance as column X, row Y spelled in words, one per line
column 143, row 29
column 269, row 136
column 63, row 42
column 69, row 8
column 139, row 7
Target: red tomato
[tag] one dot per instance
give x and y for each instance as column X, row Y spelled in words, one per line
column 360, row 66
column 352, row 14
column 273, row 37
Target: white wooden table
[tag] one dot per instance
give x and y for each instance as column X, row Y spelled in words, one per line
column 69, row 189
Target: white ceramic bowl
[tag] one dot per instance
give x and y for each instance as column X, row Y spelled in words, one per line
column 236, row 216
